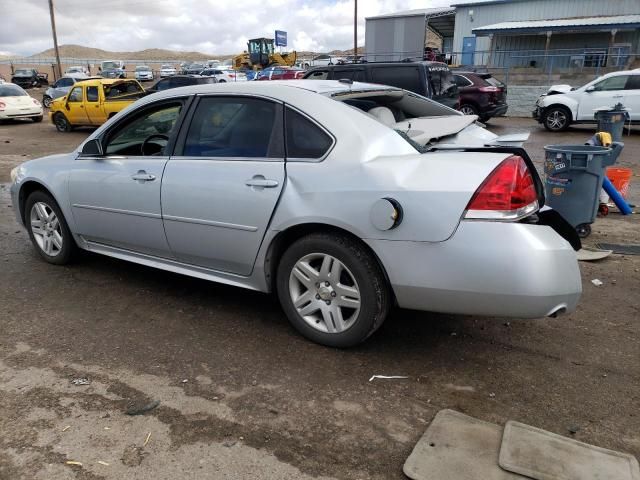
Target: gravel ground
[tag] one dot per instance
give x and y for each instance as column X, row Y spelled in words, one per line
column 243, row 396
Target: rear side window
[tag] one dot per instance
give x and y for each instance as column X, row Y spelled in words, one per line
column 633, row 83
column 75, row 95
column 304, row 139
column 236, row 127
column 407, row 77
column 350, row 73
column 92, row 94
column 461, row 81
column 317, row 75
column 495, row 82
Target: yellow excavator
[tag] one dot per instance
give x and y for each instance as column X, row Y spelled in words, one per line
column 261, row 54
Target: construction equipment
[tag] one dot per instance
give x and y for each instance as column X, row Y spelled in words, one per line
column 261, row 54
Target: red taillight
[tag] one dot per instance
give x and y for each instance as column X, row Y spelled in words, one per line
column 508, row 193
column 489, row 89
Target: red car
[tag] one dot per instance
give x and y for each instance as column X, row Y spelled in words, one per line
column 481, row 94
column 280, row 73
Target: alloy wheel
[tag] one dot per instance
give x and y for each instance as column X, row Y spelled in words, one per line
column 324, row 292
column 467, row 110
column 46, row 229
column 556, row 119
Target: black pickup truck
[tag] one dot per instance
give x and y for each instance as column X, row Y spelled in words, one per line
column 29, row 77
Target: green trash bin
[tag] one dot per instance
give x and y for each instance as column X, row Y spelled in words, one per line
column 573, row 179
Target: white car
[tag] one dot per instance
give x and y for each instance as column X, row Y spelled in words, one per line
column 167, row 71
column 563, row 105
column 143, row 73
column 78, row 69
column 223, row 75
column 16, row 103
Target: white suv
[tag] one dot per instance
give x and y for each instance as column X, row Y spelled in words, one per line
column 562, row 105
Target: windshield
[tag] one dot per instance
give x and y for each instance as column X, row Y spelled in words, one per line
column 22, row 73
column 11, row 91
column 143, row 69
column 166, row 67
column 110, row 65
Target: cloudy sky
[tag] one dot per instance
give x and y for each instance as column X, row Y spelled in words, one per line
column 210, row 26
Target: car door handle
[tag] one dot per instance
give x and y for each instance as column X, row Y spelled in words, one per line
column 260, row 181
column 617, row 96
column 143, row 176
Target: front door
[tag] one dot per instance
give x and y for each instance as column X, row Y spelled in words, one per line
column 115, row 198
column 605, row 93
column 76, row 113
column 468, row 50
column 221, row 187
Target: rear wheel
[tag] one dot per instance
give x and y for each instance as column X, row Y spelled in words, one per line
column 61, row 122
column 557, row 119
column 583, row 230
column 46, row 101
column 48, row 229
column 468, row 109
column 332, row 289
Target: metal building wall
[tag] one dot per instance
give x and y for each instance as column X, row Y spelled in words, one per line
column 390, row 39
column 533, row 10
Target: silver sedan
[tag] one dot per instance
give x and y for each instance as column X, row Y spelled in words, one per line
column 344, row 198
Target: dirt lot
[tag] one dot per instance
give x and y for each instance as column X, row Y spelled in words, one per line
column 243, row 396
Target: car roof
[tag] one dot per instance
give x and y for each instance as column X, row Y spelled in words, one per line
column 622, row 72
column 103, row 81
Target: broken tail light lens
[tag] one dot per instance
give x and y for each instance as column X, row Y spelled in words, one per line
column 508, row 193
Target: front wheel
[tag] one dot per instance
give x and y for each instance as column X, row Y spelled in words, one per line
column 332, row 289
column 556, row 119
column 46, row 101
column 61, row 122
column 37, row 119
column 48, row 229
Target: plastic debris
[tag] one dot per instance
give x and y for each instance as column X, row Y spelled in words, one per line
column 146, row 440
column 386, row 377
column 71, row 462
column 66, row 428
column 185, row 380
column 103, row 463
column 134, row 410
column 492, row 395
column 81, row 381
column 597, row 282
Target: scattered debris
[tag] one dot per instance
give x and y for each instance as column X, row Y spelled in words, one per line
column 81, row 381
column 590, row 254
column 107, row 428
column 386, row 377
column 66, row 428
column 622, row 249
column 597, row 282
column 459, row 388
column 229, row 444
column 133, row 456
column 146, row 440
column 573, row 430
column 135, row 410
column 492, row 395
column 185, row 380
column 71, row 462
column 103, row 463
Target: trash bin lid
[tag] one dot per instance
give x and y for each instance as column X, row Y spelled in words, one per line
column 586, row 149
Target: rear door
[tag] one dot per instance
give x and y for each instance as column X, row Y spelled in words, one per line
column 632, row 96
column 222, row 185
column 95, row 112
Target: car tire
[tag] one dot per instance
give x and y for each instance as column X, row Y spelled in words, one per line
column 37, row 119
column 46, row 101
column 468, row 109
column 61, row 122
column 48, row 229
column 222, row 81
column 556, row 119
column 332, row 289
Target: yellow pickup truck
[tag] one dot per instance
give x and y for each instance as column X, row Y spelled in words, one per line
column 93, row 102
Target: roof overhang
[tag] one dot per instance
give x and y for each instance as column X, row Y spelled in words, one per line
column 586, row 24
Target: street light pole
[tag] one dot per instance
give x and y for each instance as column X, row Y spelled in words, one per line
column 57, row 74
column 355, row 29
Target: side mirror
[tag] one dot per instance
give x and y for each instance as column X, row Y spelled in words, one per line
column 590, row 89
column 93, row 148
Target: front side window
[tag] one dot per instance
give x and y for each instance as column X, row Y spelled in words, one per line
column 304, row 139
column 75, row 95
column 146, row 133
column 234, row 127
column 612, row 83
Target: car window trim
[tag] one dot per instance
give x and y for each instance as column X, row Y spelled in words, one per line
column 315, row 122
column 186, row 101
column 186, row 125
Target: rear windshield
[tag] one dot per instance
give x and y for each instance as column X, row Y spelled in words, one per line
column 22, row 73
column 12, row 91
column 494, row 81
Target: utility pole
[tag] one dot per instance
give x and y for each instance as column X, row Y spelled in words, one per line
column 57, row 74
column 355, row 29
